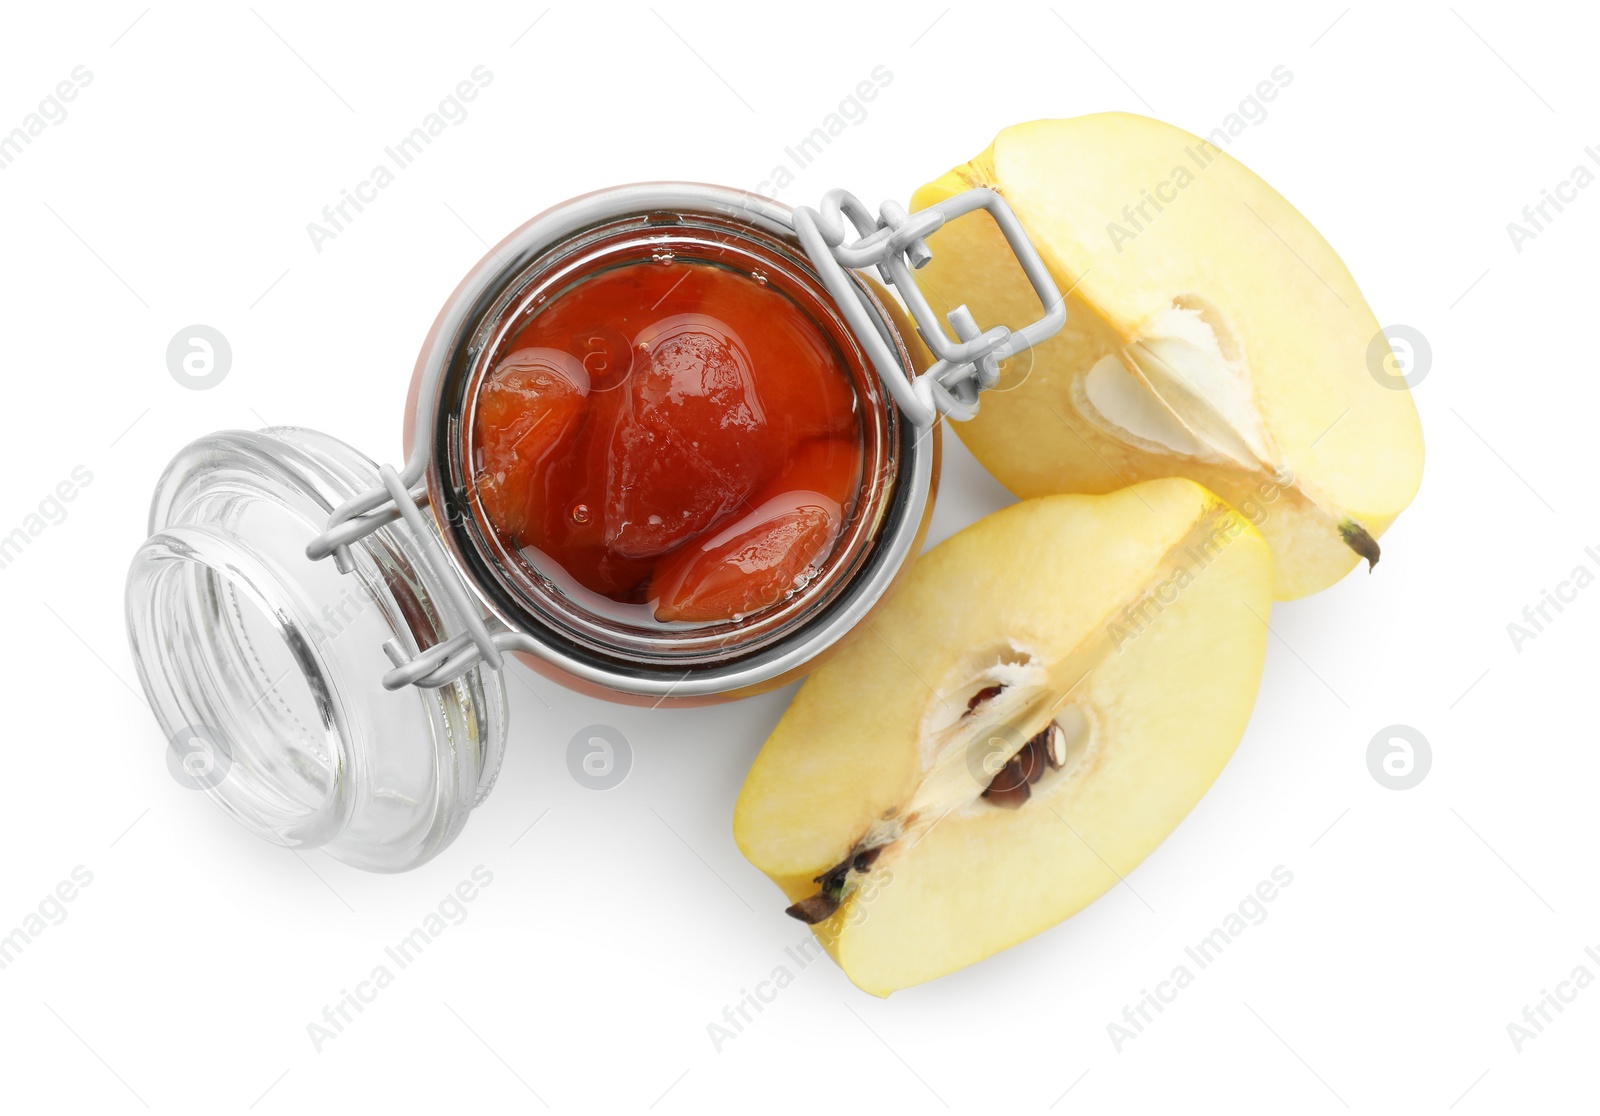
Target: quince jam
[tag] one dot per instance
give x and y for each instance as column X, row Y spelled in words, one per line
column 676, row 435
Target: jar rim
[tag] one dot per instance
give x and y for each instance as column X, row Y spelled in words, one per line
column 463, row 339
column 181, row 571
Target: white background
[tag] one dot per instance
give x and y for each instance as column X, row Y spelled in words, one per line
column 1419, row 923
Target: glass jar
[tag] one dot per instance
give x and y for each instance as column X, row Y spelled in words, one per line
column 355, row 704
column 593, row 649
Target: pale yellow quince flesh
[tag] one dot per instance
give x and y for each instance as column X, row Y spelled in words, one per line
column 1211, row 333
column 1125, row 632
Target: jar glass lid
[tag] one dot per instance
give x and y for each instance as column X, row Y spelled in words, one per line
column 265, row 668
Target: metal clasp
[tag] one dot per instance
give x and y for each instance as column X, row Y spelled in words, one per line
column 894, row 244
column 400, row 496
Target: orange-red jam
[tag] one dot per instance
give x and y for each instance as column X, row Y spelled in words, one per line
column 677, row 435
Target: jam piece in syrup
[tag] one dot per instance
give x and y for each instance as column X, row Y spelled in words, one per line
column 676, row 434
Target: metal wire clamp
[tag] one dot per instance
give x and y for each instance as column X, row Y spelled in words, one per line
column 893, row 245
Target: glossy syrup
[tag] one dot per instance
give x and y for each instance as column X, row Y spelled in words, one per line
column 672, row 435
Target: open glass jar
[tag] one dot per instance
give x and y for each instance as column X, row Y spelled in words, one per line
column 582, row 640
column 322, row 637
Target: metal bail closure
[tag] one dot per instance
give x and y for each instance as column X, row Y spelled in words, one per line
column 263, row 667
column 894, row 244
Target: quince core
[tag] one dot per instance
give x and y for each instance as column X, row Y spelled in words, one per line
column 1041, row 703
column 1211, row 333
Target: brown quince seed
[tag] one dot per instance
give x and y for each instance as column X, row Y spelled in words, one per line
column 813, row 909
column 1009, row 788
column 988, row 693
column 1053, row 741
